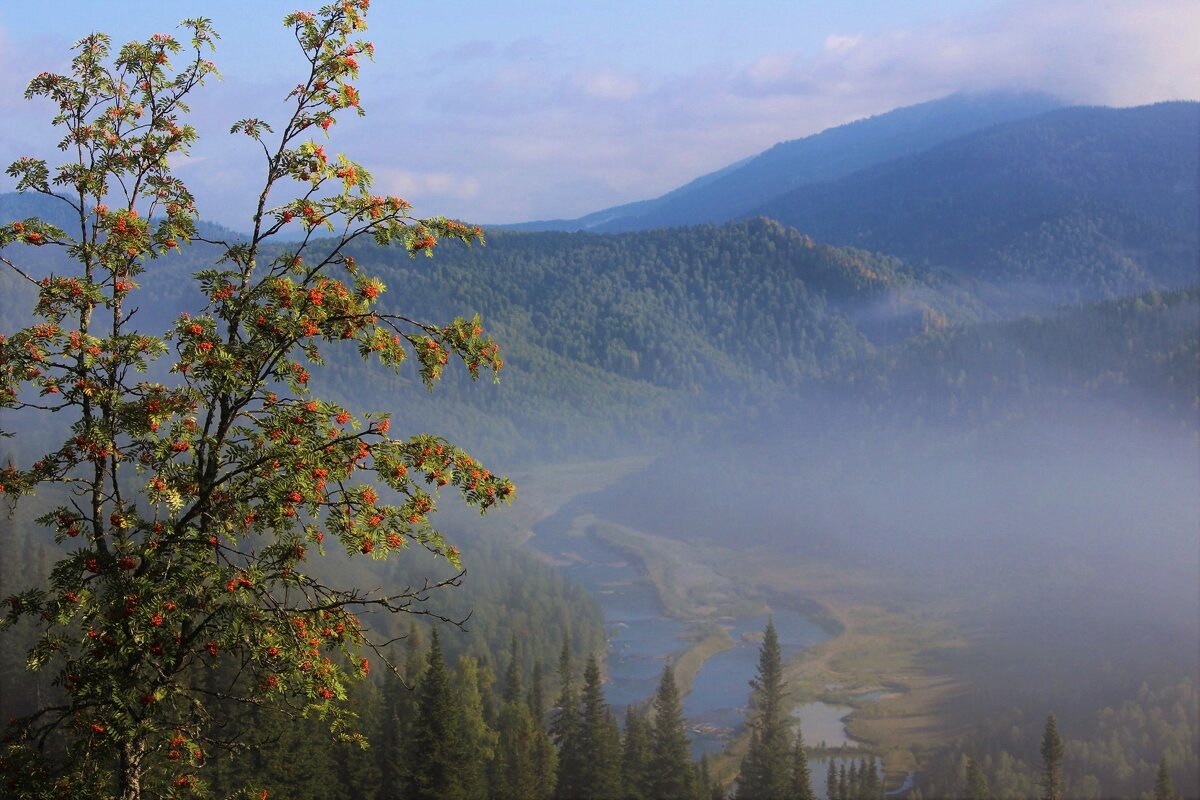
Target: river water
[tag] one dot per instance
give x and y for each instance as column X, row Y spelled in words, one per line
column 641, row 638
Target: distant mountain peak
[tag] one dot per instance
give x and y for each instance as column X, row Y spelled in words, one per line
column 735, row 190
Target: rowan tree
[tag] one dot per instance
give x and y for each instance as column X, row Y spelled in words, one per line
column 201, row 473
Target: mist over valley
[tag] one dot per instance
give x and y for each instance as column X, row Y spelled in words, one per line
column 923, row 390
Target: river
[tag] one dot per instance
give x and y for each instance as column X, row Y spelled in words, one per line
column 641, row 638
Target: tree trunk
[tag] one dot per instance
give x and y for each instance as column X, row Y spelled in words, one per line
column 130, row 775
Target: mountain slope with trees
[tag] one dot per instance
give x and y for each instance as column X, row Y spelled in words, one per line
column 735, row 190
column 1075, row 204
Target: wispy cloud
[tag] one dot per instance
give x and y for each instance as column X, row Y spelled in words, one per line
column 498, row 131
column 550, row 136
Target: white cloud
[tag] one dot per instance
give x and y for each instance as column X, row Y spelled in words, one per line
column 407, row 184
column 506, row 131
column 607, row 85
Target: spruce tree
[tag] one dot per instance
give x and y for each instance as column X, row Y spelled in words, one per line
column 600, row 742
column 435, row 747
column 357, row 769
column 831, row 781
column 476, row 739
column 843, row 782
column 1052, row 761
column 875, row 780
column 545, row 757
column 397, row 717
column 707, row 787
column 977, row 786
column 565, row 729
column 801, row 776
column 766, row 770
column 670, row 763
column 513, row 776
column 635, row 756
column 1164, row 789
column 512, row 676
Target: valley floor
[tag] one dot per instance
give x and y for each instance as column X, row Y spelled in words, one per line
column 892, row 665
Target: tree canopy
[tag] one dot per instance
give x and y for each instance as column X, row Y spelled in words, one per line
column 202, row 472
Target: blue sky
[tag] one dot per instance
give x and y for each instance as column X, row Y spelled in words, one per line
column 501, row 113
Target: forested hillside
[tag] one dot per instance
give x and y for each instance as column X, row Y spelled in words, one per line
column 1076, row 204
column 1113, row 751
column 607, row 338
column 1014, row 309
column 1138, row 352
column 612, row 337
column 737, row 189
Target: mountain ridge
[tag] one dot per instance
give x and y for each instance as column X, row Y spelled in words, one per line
column 729, row 192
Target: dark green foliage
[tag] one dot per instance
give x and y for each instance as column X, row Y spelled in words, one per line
column 599, row 740
column 635, row 756
column 507, row 593
column 1164, row 788
column 873, row 787
column 545, row 756
column 1052, row 762
column 1139, row 351
column 513, row 775
column 977, row 787
column 1119, row 756
column 566, row 729
column 435, row 745
column 670, row 765
column 1081, row 203
column 707, row 787
column 801, row 788
column 477, row 741
column 766, row 770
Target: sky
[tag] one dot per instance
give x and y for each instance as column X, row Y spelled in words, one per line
column 499, row 113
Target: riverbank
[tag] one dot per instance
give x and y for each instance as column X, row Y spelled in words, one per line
column 885, row 663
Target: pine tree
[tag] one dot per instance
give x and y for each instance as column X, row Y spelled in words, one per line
column 831, row 781
column 600, row 740
column 670, row 763
column 1052, row 761
column 767, row 768
column 801, row 776
column 635, row 756
column 435, row 747
column 843, row 782
column 1164, row 789
column 977, row 786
